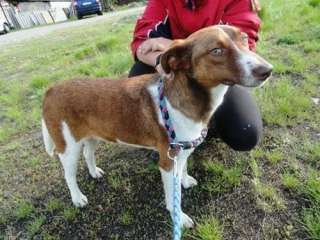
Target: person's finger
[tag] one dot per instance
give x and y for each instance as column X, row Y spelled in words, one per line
column 146, row 47
column 158, row 47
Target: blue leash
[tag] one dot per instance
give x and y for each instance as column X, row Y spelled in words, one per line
column 176, row 203
column 177, row 146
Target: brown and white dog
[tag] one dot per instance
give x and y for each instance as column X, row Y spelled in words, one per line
column 80, row 113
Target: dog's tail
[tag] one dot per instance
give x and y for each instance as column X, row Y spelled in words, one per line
column 48, row 142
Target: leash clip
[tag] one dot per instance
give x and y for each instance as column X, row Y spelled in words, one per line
column 179, row 145
column 173, row 156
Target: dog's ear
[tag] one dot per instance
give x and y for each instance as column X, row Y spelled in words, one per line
column 177, row 57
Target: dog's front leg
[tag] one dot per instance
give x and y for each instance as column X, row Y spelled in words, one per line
column 187, row 180
column 167, row 178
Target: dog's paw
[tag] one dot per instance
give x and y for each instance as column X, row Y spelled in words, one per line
column 186, row 221
column 98, row 173
column 189, row 182
column 80, row 200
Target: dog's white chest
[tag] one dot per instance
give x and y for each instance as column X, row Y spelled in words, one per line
column 187, row 129
column 217, row 95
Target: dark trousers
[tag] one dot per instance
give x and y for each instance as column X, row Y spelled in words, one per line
column 237, row 120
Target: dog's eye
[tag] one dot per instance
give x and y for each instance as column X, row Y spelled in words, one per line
column 217, row 52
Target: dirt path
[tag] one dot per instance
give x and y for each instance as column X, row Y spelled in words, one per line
column 37, row 32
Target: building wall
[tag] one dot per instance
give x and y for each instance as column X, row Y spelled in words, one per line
column 33, row 6
column 59, row 5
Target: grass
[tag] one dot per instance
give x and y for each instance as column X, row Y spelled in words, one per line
column 267, row 197
column 312, row 187
column 70, row 213
column 35, row 226
column 311, row 215
column 127, row 218
column 54, row 205
column 24, row 210
column 105, row 55
column 314, row 3
column 272, row 192
column 223, row 179
column 209, row 229
column 311, row 221
column 290, row 181
column 115, row 179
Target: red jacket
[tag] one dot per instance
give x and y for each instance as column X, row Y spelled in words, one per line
column 171, row 19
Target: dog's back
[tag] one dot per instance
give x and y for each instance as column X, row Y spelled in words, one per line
column 103, row 108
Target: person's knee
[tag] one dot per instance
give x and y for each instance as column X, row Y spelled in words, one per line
column 246, row 139
column 140, row 68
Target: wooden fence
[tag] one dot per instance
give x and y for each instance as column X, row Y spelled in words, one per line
column 33, row 18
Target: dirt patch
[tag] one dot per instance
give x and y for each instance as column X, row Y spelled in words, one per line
column 128, row 203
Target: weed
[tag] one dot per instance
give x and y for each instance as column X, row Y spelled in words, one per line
column 39, row 82
column 70, row 213
column 311, row 221
column 34, row 162
column 114, row 179
column 35, row 226
column 274, row 156
column 127, row 218
column 267, row 197
column 255, row 168
column 223, row 179
column 311, row 215
column 310, row 151
column 209, row 228
column 47, row 236
column 257, row 153
column 24, row 209
column 311, row 187
column 290, row 181
column 54, row 205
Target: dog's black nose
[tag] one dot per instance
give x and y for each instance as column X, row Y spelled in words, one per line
column 262, row 72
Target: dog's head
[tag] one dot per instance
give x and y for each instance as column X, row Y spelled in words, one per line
column 215, row 55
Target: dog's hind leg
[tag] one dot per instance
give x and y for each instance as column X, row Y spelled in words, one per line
column 48, row 142
column 187, row 180
column 69, row 160
column 88, row 152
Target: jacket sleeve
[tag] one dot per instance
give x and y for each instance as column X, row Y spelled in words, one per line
column 154, row 13
column 239, row 13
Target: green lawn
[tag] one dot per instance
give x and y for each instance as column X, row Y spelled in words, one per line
column 273, row 192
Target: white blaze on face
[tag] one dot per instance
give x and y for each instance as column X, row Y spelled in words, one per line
column 248, row 62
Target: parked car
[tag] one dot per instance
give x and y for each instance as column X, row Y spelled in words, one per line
column 87, row 7
column 4, row 26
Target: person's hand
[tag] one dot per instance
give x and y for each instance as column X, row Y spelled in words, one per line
column 150, row 49
column 154, row 45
